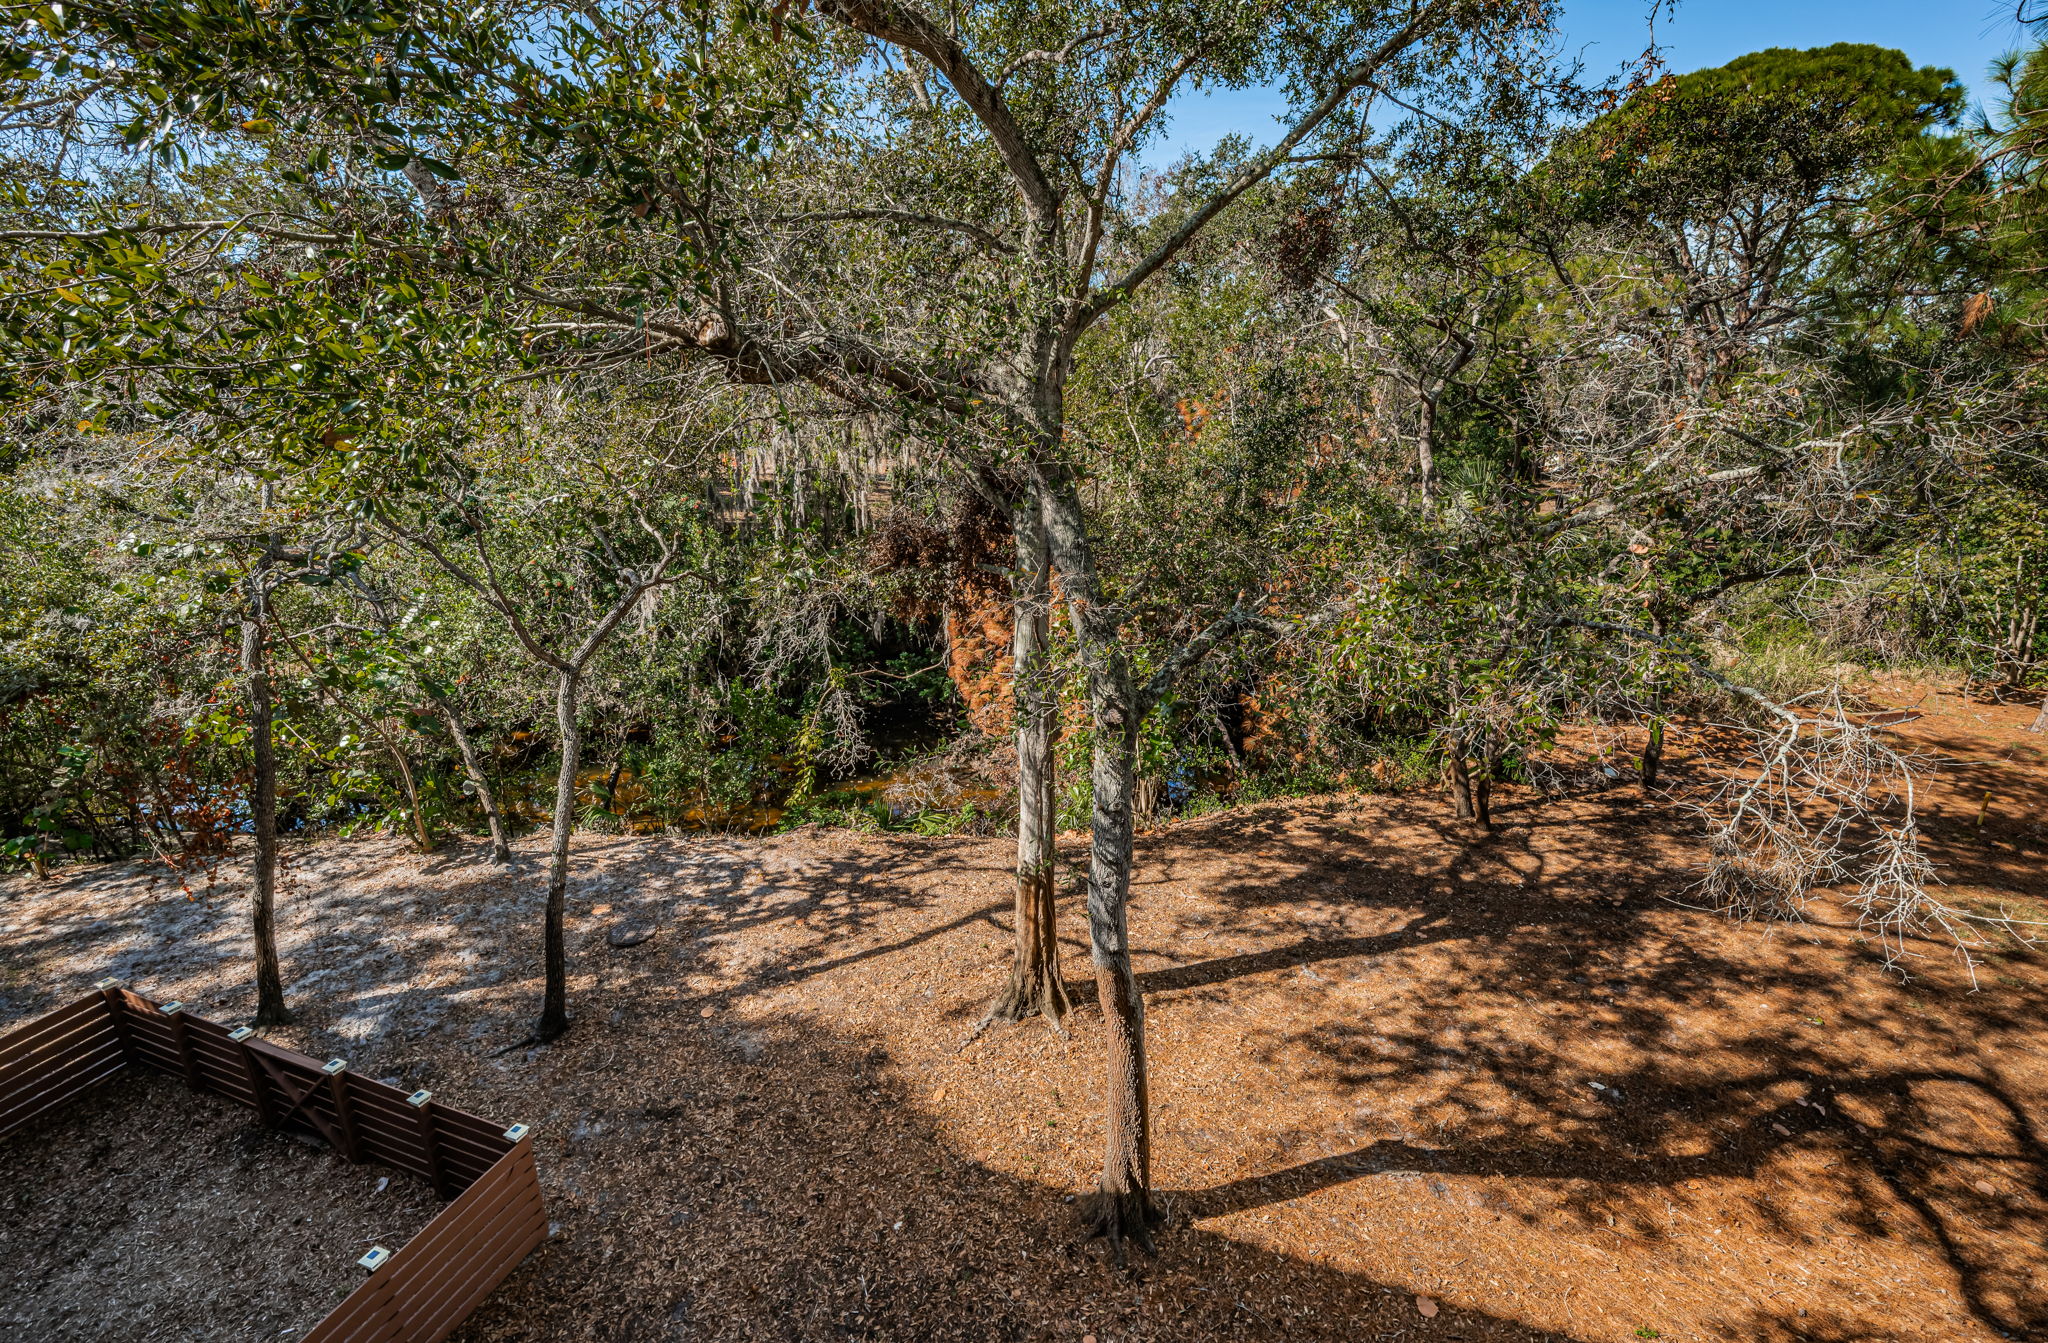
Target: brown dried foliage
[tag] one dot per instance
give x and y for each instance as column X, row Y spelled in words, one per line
column 951, row 569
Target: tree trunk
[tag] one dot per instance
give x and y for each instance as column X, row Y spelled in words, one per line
column 2041, row 719
column 1122, row 1206
column 1460, row 780
column 270, row 1007
column 1035, row 987
column 473, row 765
column 1482, row 791
column 1425, row 447
column 554, row 1016
column 1653, row 750
column 422, row 835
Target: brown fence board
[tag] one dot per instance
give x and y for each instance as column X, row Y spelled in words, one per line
column 37, row 1053
column 415, row 1156
column 26, row 1046
column 463, row 1148
column 229, row 1087
column 49, row 1061
column 366, row 1317
column 86, row 1035
column 493, row 1194
column 484, row 1263
column 442, row 1273
column 404, row 1129
column 53, row 1099
column 485, row 1136
column 460, row 1258
column 403, row 1124
column 414, row 1163
column 433, row 1282
column 207, row 1039
column 385, row 1102
column 160, row 1057
column 66, row 1080
column 216, row 1060
column 32, row 1080
column 145, row 1017
column 485, row 1204
column 34, row 1032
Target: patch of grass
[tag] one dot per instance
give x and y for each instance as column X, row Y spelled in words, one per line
column 1398, row 765
column 1783, row 661
column 840, row 811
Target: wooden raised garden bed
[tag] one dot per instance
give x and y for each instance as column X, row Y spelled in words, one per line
column 416, row 1294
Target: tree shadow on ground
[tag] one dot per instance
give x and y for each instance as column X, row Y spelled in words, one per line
column 1610, row 1041
column 723, row 1166
column 791, row 1188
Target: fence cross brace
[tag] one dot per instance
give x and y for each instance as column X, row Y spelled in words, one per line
column 298, row 1099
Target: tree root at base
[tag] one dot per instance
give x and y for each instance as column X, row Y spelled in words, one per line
column 1018, row 1003
column 1122, row 1215
column 544, row 1033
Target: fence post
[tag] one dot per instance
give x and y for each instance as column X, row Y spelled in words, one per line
column 430, row 1138
column 336, row 1070
column 259, row 1094
column 390, row 1320
column 176, row 1012
column 117, row 1012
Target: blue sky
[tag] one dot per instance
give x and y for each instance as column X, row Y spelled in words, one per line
column 1964, row 35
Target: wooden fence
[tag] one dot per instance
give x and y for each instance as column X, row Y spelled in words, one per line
column 418, row 1294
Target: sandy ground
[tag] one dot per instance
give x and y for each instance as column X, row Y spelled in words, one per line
column 1408, row 1082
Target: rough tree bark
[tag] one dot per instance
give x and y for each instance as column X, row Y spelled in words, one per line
column 1035, row 987
column 2041, row 719
column 554, row 1018
column 1460, row 779
column 270, row 1005
column 554, row 1014
column 1429, row 393
column 1122, row 1206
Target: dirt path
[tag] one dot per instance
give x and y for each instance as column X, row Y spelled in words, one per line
column 1390, row 1061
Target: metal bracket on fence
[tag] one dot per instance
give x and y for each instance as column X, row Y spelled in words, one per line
column 374, row 1260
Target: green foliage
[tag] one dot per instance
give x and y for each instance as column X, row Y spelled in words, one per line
column 475, row 310
column 1775, row 121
